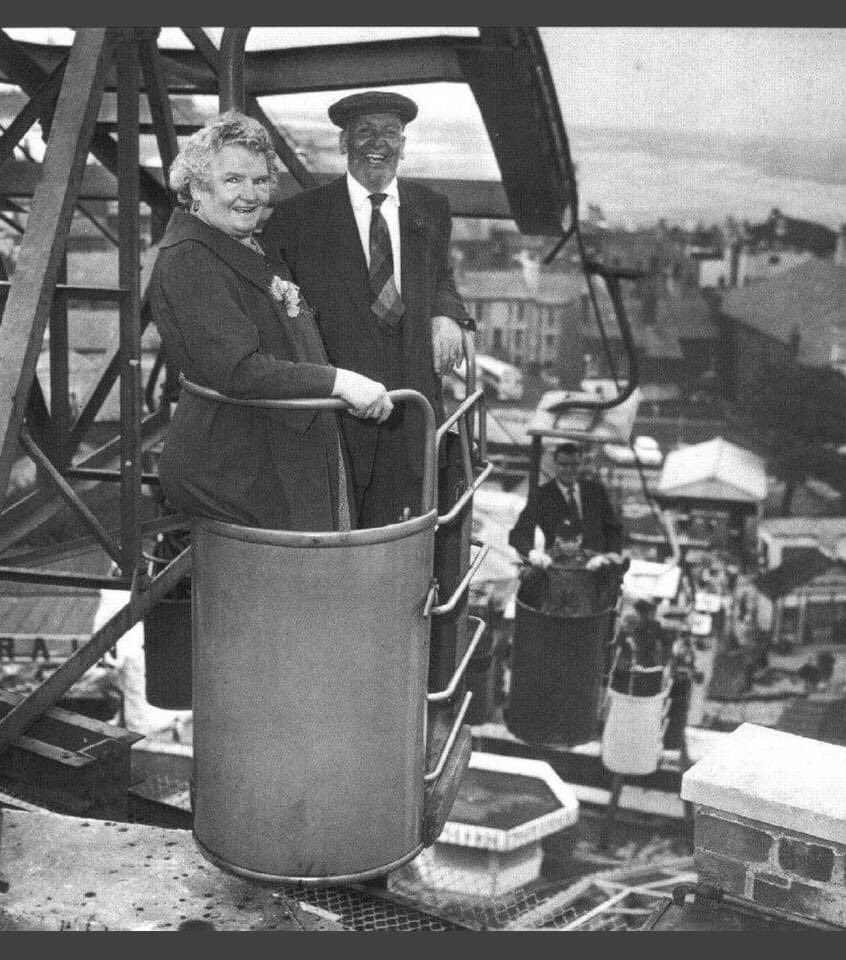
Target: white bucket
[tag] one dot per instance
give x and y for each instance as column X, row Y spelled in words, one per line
column 633, row 733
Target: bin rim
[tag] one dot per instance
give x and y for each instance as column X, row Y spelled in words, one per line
column 558, row 616
column 327, row 538
column 634, row 698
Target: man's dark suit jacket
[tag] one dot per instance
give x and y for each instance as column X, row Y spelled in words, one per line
column 316, row 234
column 601, row 530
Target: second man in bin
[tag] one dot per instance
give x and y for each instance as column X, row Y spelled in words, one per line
column 571, row 507
column 371, row 254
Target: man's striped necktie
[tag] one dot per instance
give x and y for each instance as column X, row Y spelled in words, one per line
column 385, row 301
column 573, row 505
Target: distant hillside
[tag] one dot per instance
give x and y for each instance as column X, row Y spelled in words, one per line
column 638, row 176
column 823, row 161
column 635, row 176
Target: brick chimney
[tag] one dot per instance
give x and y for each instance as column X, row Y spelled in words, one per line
column 735, row 250
column 770, row 821
column 840, row 249
column 650, row 289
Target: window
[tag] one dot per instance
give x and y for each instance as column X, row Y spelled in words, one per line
column 795, row 553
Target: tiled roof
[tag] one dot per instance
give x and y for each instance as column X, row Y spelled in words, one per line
column 827, row 531
column 809, row 299
column 47, row 615
column 29, row 609
column 659, row 341
column 822, row 719
column 793, row 573
column 689, row 317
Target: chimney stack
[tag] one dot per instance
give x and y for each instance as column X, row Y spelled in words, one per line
column 840, row 249
column 649, row 292
column 768, row 823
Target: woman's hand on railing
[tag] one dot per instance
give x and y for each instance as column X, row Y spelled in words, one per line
column 365, row 398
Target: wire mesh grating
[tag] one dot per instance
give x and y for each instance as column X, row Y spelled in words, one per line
column 607, row 900
column 365, row 910
column 428, row 895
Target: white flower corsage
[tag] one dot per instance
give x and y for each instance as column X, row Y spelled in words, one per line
column 287, row 292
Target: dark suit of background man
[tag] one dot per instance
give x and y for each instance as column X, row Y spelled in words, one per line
column 324, row 235
column 592, row 516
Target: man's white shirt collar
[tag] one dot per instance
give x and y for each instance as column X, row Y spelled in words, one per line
column 359, row 194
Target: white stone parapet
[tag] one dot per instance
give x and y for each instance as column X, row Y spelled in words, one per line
column 775, row 777
column 770, row 821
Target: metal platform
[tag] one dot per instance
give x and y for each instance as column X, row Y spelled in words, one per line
column 125, row 877
column 147, row 874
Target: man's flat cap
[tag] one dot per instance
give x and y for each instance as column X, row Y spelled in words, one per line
column 372, row 101
column 569, row 446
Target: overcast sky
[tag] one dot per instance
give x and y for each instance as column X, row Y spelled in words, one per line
column 780, row 82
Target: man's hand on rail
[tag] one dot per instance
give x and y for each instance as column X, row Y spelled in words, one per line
column 365, row 398
column 539, row 558
column 602, row 560
column 447, row 344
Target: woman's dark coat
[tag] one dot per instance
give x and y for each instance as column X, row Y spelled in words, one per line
column 220, row 325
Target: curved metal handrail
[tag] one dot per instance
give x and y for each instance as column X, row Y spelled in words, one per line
column 612, row 277
column 450, row 740
column 449, row 605
column 335, row 403
column 449, row 691
column 465, row 416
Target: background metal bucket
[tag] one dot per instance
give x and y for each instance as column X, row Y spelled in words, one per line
column 631, row 739
column 167, row 654
column 556, row 675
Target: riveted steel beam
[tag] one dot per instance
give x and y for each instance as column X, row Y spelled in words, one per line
column 161, row 111
column 30, row 513
column 234, row 77
column 29, row 76
column 38, row 107
column 47, row 694
column 300, row 69
column 129, row 307
column 70, row 497
column 43, row 245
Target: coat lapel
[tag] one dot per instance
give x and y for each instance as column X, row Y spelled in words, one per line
column 301, row 340
column 255, row 269
column 414, row 250
column 344, row 245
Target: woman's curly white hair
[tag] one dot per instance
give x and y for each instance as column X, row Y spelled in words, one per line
column 192, row 166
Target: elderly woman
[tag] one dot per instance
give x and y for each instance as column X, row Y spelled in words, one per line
column 231, row 320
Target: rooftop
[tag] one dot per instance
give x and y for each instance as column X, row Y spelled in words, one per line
column 809, row 299
column 714, row 470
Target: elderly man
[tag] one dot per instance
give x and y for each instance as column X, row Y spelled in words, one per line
column 570, row 507
column 371, row 254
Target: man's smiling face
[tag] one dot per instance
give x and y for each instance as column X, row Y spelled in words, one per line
column 374, row 145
